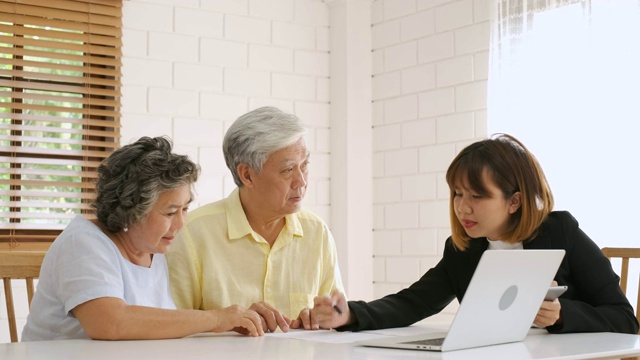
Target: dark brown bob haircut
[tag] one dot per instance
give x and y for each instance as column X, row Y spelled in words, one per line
column 513, row 169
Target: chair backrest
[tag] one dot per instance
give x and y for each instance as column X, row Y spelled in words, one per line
column 625, row 254
column 18, row 265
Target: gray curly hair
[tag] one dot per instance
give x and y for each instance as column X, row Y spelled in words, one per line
column 132, row 178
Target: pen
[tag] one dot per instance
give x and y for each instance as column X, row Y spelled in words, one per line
column 337, row 309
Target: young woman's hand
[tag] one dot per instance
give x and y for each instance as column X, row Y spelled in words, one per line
column 328, row 312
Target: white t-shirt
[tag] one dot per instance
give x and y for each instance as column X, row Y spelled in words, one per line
column 83, row 264
column 501, row 245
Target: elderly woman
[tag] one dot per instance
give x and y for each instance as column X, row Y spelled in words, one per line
column 107, row 278
column 258, row 247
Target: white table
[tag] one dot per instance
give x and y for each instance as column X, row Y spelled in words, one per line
column 537, row 345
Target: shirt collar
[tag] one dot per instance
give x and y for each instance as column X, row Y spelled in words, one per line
column 238, row 223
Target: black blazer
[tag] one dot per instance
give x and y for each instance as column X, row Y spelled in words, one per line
column 593, row 302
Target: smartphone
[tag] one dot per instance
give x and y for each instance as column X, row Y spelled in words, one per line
column 554, row 292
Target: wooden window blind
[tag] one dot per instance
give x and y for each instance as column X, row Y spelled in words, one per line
column 59, row 110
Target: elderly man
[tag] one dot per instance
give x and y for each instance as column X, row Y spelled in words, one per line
column 258, row 247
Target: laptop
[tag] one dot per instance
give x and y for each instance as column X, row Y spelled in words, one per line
column 499, row 306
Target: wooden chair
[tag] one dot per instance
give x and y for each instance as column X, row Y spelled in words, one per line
column 625, row 254
column 18, row 265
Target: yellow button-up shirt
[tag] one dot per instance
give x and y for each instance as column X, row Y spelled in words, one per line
column 218, row 260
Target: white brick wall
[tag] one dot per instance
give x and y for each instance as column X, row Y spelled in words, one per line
column 270, row 58
column 247, row 29
column 294, row 35
column 197, row 77
column 198, row 22
column 192, row 67
column 223, row 53
column 430, row 61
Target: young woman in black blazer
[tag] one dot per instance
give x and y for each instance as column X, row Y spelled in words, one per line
column 500, row 199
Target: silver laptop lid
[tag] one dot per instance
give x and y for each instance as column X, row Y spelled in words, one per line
column 500, row 304
column 503, row 297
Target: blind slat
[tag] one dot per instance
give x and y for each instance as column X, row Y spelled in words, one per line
column 67, row 141
column 44, row 184
column 38, row 172
column 104, row 8
column 60, row 109
column 80, row 121
column 71, row 78
column 79, row 100
column 80, row 206
column 55, row 47
column 93, row 70
column 28, row 31
column 32, row 129
column 37, row 216
column 81, row 14
column 59, row 24
column 28, row 242
column 74, row 58
column 55, row 152
column 45, row 194
column 41, row 161
column 71, row 89
column 30, row 228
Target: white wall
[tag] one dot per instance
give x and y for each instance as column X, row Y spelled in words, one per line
column 430, row 68
column 192, row 67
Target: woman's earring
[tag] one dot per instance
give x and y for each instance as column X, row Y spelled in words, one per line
column 125, row 229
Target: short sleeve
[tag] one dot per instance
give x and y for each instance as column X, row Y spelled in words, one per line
column 88, row 268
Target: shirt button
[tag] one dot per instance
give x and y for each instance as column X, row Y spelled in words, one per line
column 268, row 290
